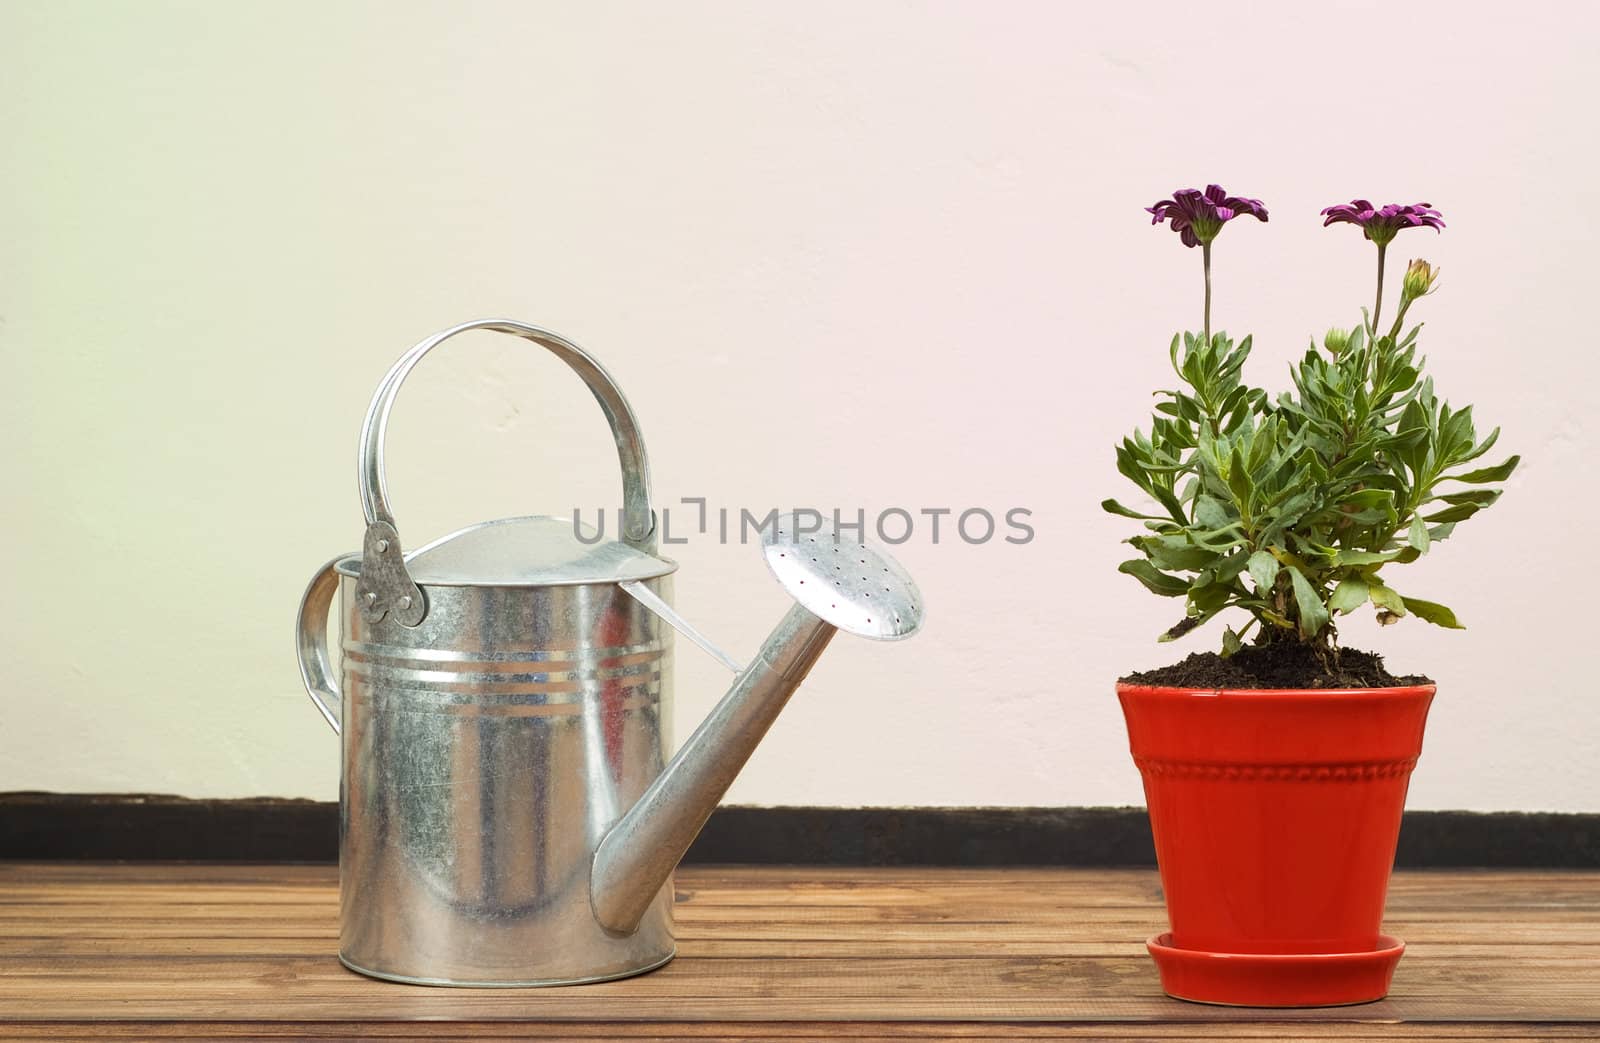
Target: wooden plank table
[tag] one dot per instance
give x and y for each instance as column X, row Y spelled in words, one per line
column 153, row 951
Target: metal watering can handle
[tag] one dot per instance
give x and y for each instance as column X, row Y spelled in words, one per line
column 386, row 587
column 311, row 643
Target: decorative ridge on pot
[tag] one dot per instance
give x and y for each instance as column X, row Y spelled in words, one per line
column 1276, row 771
column 1230, row 772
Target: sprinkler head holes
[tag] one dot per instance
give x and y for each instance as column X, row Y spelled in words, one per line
column 859, row 589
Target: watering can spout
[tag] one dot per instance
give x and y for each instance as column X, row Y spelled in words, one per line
column 640, row 851
column 837, row 585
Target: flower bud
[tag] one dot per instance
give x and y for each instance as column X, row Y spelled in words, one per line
column 1419, row 280
column 1336, row 340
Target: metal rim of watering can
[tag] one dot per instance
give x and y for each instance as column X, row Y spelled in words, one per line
column 386, row 586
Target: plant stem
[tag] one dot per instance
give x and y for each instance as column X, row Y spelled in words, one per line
column 1400, row 318
column 1377, row 304
column 1205, row 257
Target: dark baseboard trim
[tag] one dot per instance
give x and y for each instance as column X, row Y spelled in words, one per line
column 126, row 827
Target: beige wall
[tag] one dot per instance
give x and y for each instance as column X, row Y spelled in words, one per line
column 848, row 254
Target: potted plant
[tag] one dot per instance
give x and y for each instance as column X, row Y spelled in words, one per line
column 1276, row 770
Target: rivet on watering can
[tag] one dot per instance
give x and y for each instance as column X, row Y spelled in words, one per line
column 405, row 602
column 370, row 598
column 383, row 545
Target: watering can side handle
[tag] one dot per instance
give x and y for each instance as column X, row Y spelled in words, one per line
column 311, row 643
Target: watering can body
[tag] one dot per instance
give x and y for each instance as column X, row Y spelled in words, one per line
column 485, row 754
column 508, row 813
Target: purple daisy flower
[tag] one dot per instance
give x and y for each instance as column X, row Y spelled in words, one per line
column 1198, row 216
column 1381, row 224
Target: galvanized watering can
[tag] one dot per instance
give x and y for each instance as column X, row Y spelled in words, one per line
column 507, row 815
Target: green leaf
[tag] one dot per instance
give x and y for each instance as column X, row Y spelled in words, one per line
column 1230, row 642
column 1434, row 613
column 1158, row 582
column 1349, row 595
column 1459, row 512
column 1481, row 497
column 1286, row 557
column 1313, row 557
column 1263, row 570
column 1176, row 553
column 1221, row 539
column 1239, row 478
column 1295, row 508
column 1386, row 599
column 1366, row 557
column 1261, row 446
column 1168, row 502
column 1313, row 613
column 1228, row 569
column 1272, row 617
column 1456, row 435
column 1210, row 598
column 1370, row 498
column 1498, row 473
column 1418, row 536
column 1483, row 446
column 1114, row 507
column 1210, row 513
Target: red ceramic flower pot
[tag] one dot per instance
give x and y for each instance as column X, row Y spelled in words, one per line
column 1275, row 816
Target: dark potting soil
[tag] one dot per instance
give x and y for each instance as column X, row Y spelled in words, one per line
column 1282, row 664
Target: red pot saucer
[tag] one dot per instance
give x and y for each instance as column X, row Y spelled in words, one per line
column 1276, row 979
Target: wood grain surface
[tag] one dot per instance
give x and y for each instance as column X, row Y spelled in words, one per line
column 248, row 952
